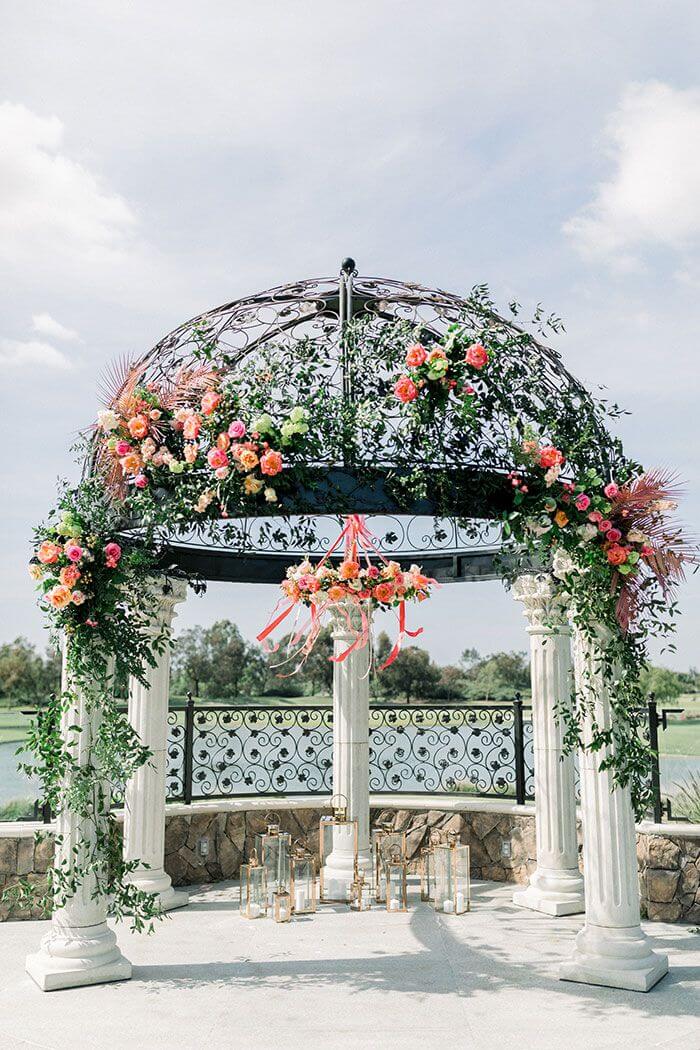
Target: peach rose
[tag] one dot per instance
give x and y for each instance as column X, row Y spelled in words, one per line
column 349, row 570
column 59, row 596
column 561, row 519
column 336, row 593
column 477, row 355
column 248, row 459
column 271, row 463
column 210, row 402
column 131, row 463
column 190, row 452
column 69, row 575
column 384, row 592
column 35, row 571
column 48, row 552
column 251, row 485
column 138, row 426
column 191, row 427
column 223, row 442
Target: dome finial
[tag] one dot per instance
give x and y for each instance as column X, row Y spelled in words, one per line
column 348, row 266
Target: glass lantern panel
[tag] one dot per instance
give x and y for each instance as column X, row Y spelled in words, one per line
column 427, row 876
column 303, row 885
column 385, row 843
column 396, row 887
column 444, row 879
column 282, row 906
column 273, row 851
column 253, row 891
column 460, row 866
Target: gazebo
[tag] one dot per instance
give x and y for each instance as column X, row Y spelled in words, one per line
column 332, row 343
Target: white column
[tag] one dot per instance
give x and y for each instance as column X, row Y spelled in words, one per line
column 144, row 803
column 79, row 948
column 611, row 949
column 350, row 758
column 556, row 885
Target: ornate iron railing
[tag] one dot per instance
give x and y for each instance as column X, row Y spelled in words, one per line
column 217, row 751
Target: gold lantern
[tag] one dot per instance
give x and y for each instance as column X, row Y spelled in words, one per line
column 361, row 892
column 303, row 881
column 336, row 830
column 384, row 840
column 253, row 889
column 273, row 849
column 452, row 883
column 281, row 905
column 427, row 866
column 396, row 872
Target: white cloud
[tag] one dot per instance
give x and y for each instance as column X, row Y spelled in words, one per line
column 17, row 353
column 45, row 324
column 652, row 198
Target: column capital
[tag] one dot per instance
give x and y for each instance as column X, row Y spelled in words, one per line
column 166, row 592
column 543, row 608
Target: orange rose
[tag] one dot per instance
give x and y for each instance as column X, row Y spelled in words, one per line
column 384, row 592
column 336, row 593
column 131, row 463
column 138, row 426
column 561, row 519
column 349, row 570
column 59, row 596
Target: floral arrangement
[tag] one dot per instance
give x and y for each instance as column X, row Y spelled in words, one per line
column 195, row 430
column 442, row 369
column 353, row 585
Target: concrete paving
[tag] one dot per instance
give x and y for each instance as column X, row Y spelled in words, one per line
column 209, row 980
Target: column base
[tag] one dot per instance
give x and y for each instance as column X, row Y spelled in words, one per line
column 160, row 884
column 614, row 958
column 71, row 958
column 552, row 892
column 339, row 872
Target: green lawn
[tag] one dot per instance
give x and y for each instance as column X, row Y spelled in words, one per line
column 680, row 738
column 13, row 725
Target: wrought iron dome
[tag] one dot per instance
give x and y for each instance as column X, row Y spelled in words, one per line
column 336, row 317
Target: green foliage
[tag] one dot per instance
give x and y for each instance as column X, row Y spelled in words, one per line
column 26, row 676
column 662, row 682
column 412, row 675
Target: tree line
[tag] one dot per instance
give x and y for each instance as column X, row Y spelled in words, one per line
column 217, row 663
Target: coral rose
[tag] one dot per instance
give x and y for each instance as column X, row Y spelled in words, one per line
column 405, row 389
column 415, row 355
column 477, row 355
column 138, row 427
column 191, row 427
column 549, row 456
column 48, row 552
column 216, row 458
column 210, row 402
column 59, row 596
column 616, row 555
column 384, row 592
column 271, row 463
column 336, row 593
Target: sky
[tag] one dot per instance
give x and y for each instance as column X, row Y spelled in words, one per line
column 159, row 159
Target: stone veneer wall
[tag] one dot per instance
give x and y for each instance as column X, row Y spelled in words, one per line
column 205, row 846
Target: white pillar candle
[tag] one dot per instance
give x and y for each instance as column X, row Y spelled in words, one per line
column 460, row 903
column 300, row 900
column 254, row 911
column 284, row 913
column 448, row 905
column 394, row 904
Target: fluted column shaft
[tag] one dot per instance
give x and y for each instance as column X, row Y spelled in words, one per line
column 350, row 757
column 80, row 948
column 611, row 949
column 144, row 804
column 556, row 885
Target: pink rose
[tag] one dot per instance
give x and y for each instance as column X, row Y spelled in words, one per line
column 122, row 448
column 582, row 501
column 113, row 553
column 373, row 572
column 73, row 552
column 477, row 355
column 141, row 481
column 217, row 458
column 236, row 429
column 614, row 535
column 469, row 391
column 210, row 402
column 604, row 525
column 405, row 389
column 271, row 463
column 611, row 490
column 415, row 355
column 77, row 597
column 221, row 473
column 595, row 516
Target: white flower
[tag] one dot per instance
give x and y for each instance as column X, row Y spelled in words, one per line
column 270, row 495
column 539, row 526
column 587, row 532
column 107, row 420
column 563, row 564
